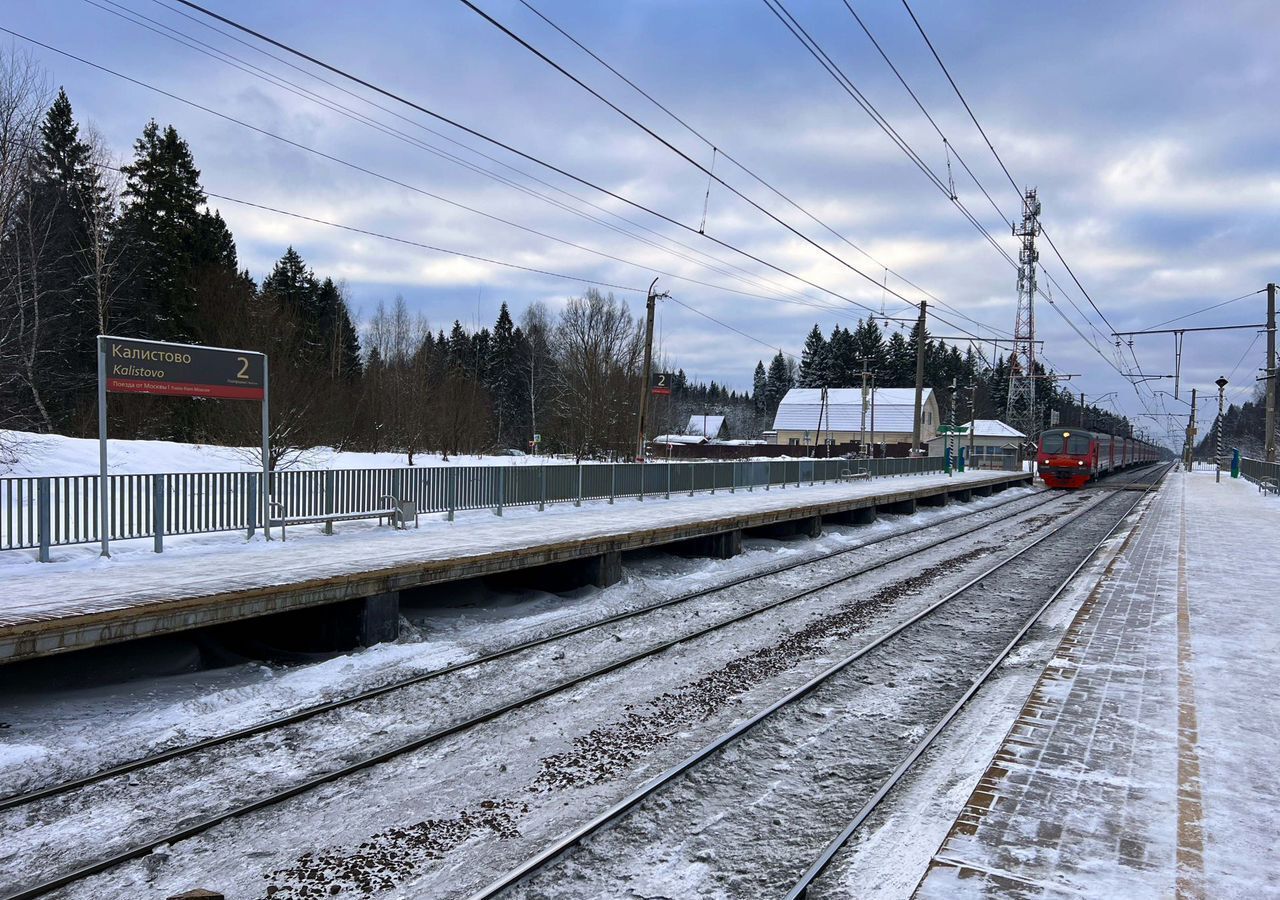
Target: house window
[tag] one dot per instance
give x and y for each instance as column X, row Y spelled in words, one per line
column 793, row 442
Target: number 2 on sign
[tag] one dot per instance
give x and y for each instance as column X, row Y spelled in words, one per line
column 243, row 374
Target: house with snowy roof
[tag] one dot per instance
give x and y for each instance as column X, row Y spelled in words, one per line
column 991, row 438
column 713, row 428
column 806, row 418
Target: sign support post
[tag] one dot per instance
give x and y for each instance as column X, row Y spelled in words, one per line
column 103, row 488
column 266, row 453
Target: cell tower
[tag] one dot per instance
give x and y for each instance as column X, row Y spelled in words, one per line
column 1020, row 412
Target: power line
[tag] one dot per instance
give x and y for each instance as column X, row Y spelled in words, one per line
column 550, row 166
column 834, row 70
column 734, row 329
column 305, row 93
column 360, row 168
column 387, row 237
column 670, row 146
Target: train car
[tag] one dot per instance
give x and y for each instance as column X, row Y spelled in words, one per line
column 1073, row 457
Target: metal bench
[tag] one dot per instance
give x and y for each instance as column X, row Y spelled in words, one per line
column 858, row 475
column 1268, row 485
column 396, row 512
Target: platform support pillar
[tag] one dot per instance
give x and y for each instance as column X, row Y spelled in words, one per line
column 603, row 570
column 378, row 620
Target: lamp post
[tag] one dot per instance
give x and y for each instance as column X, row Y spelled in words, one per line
column 1217, row 442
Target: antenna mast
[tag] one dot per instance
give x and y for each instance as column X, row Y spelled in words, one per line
column 1020, row 411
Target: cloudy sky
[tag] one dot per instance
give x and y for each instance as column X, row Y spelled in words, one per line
column 1148, row 128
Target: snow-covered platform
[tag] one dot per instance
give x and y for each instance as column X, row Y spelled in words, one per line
column 1144, row 763
column 80, row 600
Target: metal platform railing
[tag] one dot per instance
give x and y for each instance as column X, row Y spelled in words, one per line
column 44, row 512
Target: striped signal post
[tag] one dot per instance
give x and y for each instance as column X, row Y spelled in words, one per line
column 1217, row 438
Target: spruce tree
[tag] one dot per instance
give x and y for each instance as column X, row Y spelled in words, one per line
column 69, row 209
column 814, row 363
column 900, row 364
column 843, row 365
column 338, row 334
column 759, row 389
column 158, row 233
column 504, row 379
column 780, row 381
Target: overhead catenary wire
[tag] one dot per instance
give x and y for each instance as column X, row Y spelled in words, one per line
column 977, row 181
column 1205, row 309
column 716, row 148
column 1014, row 184
column 811, row 45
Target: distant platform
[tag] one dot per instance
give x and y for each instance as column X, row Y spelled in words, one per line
column 1143, row 764
column 359, row 572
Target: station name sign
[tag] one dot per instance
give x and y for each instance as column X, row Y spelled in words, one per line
column 182, row 370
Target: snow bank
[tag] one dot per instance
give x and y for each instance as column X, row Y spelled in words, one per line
column 55, row 454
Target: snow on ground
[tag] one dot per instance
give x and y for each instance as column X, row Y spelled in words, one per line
column 476, row 783
column 888, row 857
column 39, row 455
column 77, row 580
column 1233, row 570
column 1150, row 769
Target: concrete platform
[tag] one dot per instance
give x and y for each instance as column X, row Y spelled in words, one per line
column 1144, row 763
column 85, row 602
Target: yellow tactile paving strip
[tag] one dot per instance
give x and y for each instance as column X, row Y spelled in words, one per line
column 1070, row 790
column 1190, row 883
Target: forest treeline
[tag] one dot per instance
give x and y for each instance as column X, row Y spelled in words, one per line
column 1244, row 426
column 88, row 247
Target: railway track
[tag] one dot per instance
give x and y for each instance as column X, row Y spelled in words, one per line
column 189, row 828
column 720, row 802
column 62, row 787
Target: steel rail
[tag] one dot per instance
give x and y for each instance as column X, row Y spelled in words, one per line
column 617, row 810
column 443, row 732
column 800, row 891
column 143, row 762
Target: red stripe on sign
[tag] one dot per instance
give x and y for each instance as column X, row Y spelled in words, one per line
column 181, row 389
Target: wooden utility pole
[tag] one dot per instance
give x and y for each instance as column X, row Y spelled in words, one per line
column 1271, row 373
column 649, row 305
column 1082, row 410
column 920, row 348
column 973, row 417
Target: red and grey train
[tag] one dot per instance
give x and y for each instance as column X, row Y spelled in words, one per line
column 1072, row 457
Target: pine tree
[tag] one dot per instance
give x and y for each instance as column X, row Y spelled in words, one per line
column 869, row 346
column 459, row 344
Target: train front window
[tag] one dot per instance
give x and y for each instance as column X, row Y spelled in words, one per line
column 1078, row 444
column 1051, row 442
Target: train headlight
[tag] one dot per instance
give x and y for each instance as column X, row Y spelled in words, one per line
column 1079, row 462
